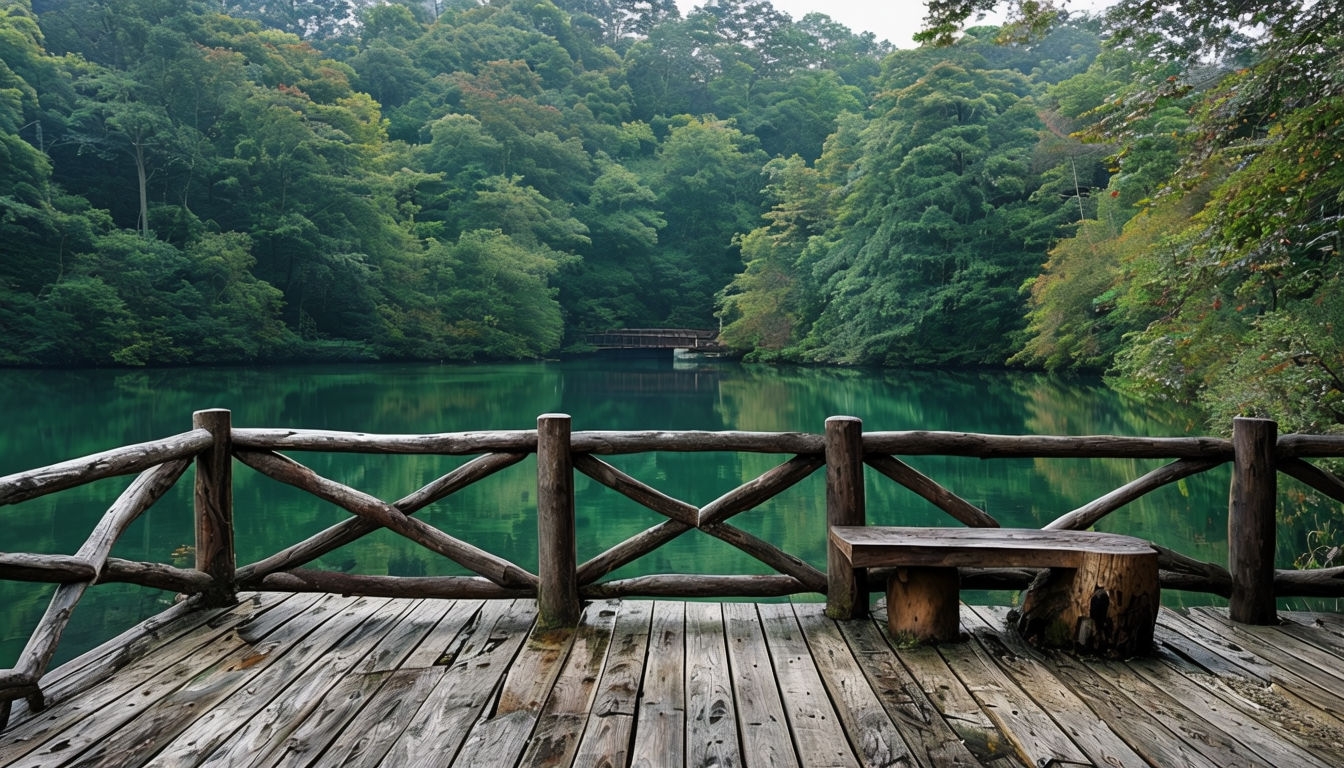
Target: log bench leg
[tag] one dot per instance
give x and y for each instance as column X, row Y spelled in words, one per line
column 1108, row 606
column 923, row 605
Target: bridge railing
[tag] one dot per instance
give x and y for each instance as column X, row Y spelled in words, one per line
column 655, row 338
column 560, row 582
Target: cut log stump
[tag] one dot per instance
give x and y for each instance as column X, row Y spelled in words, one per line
column 1107, row 606
column 923, row 605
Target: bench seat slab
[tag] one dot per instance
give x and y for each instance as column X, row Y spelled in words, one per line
column 875, row 545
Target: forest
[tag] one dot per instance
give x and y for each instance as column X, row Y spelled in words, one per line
column 1154, row 194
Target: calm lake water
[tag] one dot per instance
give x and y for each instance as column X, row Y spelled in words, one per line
column 56, row 415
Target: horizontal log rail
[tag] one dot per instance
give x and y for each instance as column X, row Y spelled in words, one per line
column 1248, row 579
column 127, row 460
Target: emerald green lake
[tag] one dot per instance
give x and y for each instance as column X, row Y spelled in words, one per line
column 56, row 415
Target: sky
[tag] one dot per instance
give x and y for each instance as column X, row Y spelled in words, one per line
column 893, row 20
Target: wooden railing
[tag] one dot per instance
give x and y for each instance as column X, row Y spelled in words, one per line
column 1250, row 580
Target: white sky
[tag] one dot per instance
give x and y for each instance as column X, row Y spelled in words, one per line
column 893, row 20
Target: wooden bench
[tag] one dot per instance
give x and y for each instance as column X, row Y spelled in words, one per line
column 1100, row 594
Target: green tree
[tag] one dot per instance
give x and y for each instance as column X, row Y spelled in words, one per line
column 1080, row 306
column 1237, row 300
column 764, row 305
column 606, row 289
column 237, row 316
column 525, row 215
column 623, row 21
column 114, row 121
column 37, row 223
column 801, row 113
column 707, row 174
column 669, row 72
column 1025, row 18
column 940, row 229
column 308, row 19
column 498, row 302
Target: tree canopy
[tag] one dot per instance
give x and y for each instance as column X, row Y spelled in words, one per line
column 1154, row 194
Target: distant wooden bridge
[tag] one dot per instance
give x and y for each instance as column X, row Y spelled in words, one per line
column 657, row 338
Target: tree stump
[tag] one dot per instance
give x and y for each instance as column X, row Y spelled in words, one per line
column 923, row 605
column 1107, row 606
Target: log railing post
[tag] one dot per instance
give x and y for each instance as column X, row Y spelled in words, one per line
column 557, row 561
column 846, row 589
column 214, row 507
column 1251, row 523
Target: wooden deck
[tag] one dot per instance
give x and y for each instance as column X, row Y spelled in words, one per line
column 329, row 680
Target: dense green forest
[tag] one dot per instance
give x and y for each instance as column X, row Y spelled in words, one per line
column 1155, row 194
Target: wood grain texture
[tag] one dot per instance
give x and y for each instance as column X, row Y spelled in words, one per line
column 711, row 722
column 607, row 735
column 557, row 564
column 307, row 680
column 1251, row 520
column 756, row 695
column 661, row 721
column 846, row 587
column 877, row 545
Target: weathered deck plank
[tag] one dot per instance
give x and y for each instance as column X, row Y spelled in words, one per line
column 245, row 686
column 1093, row 736
column 560, row 726
column 1035, row 736
column 501, row 735
column 817, row 730
column 142, row 720
column 1316, row 688
column 760, row 708
column 874, row 737
column 711, row 720
column 1176, row 713
column 1312, row 629
column 131, row 645
column 611, row 721
column 1143, row 729
column 314, row 680
column 437, row 730
column 269, row 730
column 661, row 719
column 1208, row 705
column 1307, row 661
column 33, row 732
column 344, row 701
column 928, row 731
column 385, row 713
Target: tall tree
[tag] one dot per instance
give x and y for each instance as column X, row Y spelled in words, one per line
column 707, row 173
column 114, row 121
column 1078, row 309
column 607, row 288
column 939, row 229
column 623, row 21
column 765, row 304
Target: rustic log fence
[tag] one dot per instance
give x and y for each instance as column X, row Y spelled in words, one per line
column 1249, row 581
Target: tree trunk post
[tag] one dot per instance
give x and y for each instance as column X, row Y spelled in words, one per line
column 557, row 561
column 214, row 507
column 846, row 587
column 924, row 605
column 1107, row 606
column 1251, row 521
